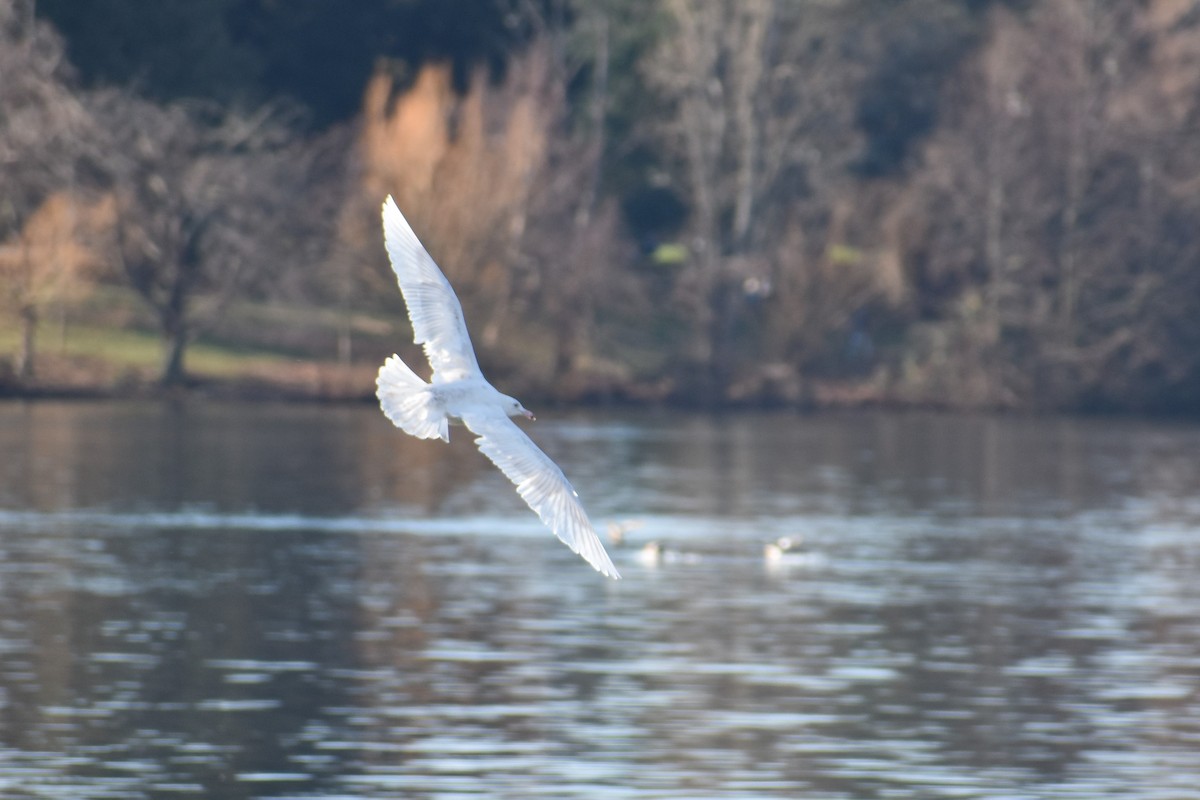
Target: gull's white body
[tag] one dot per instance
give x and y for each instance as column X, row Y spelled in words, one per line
column 459, row 392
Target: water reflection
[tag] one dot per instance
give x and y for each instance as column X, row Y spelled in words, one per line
column 295, row 602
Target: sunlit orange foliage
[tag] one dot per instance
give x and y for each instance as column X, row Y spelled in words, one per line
column 47, row 263
column 461, row 167
column 52, row 256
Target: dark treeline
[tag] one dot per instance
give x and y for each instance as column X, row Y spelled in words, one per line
column 318, row 53
column 945, row 202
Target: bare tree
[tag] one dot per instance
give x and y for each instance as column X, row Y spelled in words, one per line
column 43, row 137
column 573, row 254
column 1053, row 252
column 207, row 199
column 712, row 68
column 760, row 121
column 1133, row 337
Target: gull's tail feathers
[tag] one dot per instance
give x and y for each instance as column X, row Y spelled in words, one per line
column 408, row 403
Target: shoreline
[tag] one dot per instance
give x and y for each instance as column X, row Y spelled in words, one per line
column 251, row 390
column 284, row 380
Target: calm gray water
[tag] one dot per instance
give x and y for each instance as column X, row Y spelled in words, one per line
column 301, row 602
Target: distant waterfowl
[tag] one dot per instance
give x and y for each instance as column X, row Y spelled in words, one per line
column 652, row 554
column 655, row 554
column 458, row 392
column 789, row 551
column 618, row 528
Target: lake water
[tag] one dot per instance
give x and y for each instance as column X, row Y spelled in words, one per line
column 229, row 601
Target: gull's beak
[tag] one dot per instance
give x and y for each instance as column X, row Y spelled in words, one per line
column 528, row 414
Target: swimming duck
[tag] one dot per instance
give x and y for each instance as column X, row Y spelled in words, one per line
column 655, row 553
column 789, row 550
column 652, row 554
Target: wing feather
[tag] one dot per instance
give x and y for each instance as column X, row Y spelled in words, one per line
column 436, row 315
column 540, row 483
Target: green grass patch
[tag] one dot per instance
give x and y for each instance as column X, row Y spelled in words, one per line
column 126, row 350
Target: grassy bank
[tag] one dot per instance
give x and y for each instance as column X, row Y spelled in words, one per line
column 103, row 359
column 108, row 347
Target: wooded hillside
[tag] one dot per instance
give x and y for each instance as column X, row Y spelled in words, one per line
column 955, row 203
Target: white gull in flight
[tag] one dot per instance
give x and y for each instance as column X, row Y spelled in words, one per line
column 458, row 392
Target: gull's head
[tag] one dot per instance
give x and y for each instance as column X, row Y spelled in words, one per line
column 514, row 408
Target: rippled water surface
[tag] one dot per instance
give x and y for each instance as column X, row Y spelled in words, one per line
column 300, row 602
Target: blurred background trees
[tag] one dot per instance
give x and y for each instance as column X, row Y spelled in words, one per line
column 988, row 203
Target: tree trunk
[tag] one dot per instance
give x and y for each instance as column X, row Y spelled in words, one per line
column 25, row 358
column 747, row 56
column 721, row 351
column 175, row 344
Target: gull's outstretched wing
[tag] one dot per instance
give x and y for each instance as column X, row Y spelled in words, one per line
column 433, row 308
column 540, row 483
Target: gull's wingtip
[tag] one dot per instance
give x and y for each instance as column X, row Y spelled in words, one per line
column 602, row 564
column 586, row 544
column 396, row 228
column 389, row 207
